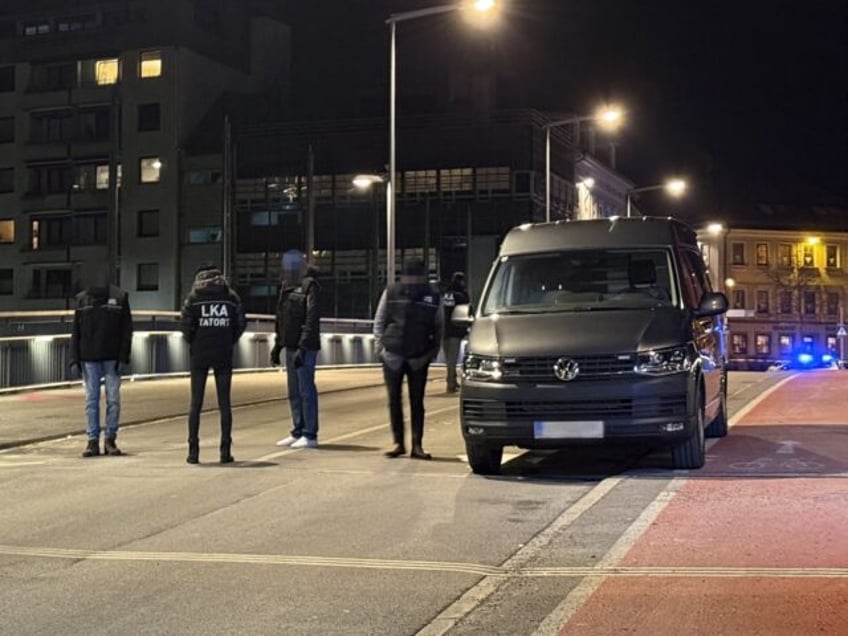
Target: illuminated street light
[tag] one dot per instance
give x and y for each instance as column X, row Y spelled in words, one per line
column 470, row 8
column 715, row 229
column 587, row 183
column 608, row 118
column 365, row 181
column 674, row 187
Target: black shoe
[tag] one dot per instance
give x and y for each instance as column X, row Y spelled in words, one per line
column 396, row 451
column 93, row 448
column 418, row 453
column 193, row 453
column 226, row 457
column 109, row 447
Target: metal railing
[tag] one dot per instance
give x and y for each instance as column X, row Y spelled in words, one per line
column 35, row 346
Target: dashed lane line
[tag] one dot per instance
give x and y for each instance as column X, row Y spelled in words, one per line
column 498, row 574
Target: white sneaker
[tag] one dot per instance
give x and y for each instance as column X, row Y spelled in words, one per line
column 303, row 442
column 288, row 441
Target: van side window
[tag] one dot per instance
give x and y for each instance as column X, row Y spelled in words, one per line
column 692, row 278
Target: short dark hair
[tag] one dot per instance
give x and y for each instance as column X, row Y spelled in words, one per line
column 205, row 267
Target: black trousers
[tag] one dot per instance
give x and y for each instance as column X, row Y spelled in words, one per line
column 223, row 384
column 416, row 383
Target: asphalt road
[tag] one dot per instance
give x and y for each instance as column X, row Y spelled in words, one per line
column 337, row 540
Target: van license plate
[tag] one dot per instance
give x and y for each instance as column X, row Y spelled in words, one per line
column 568, row 430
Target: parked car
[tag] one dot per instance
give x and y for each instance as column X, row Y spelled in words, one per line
column 595, row 331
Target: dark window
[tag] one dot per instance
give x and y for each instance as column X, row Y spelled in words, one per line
column 50, row 232
column 784, row 344
column 7, row 180
column 51, row 283
column 7, row 281
column 148, row 117
column 738, row 299
column 762, row 301
column 784, row 255
column 832, row 256
column 54, row 127
column 832, row 303
column 53, row 77
column 738, row 253
column 94, row 124
column 7, row 79
column 147, row 277
column 204, row 235
column 810, row 303
column 50, row 179
column 148, row 223
column 785, row 301
column 90, row 229
column 7, row 130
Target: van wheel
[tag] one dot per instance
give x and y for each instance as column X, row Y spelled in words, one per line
column 691, row 453
column 718, row 427
column 484, row 459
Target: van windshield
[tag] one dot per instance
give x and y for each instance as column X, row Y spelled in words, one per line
column 582, row 280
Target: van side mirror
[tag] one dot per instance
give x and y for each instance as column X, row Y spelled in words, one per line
column 712, row 304
column 462, row 316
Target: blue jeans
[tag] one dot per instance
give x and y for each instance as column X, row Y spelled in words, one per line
column 303, row 396
column 93, row 373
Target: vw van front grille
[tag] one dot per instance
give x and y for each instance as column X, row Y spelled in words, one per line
column 622, row 408
column 591, row 367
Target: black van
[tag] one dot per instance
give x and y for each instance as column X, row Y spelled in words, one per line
column 595, row 331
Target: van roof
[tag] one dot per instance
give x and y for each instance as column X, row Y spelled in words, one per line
column 612, row 232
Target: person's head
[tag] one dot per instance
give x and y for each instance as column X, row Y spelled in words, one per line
column 413, row 271
column 207, row 273
column 293, row 267
column 458, row 280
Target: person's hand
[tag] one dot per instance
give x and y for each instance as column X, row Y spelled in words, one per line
column 275, row 355
column 117, row 367
column 74, row 368
column 298, row 358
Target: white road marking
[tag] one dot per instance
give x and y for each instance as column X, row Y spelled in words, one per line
column 475, row 596
column 556, row 620
column 498, row 574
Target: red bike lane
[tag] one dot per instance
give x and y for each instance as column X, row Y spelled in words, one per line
column 756, row 542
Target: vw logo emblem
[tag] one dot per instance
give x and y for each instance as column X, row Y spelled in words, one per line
column 566, row 369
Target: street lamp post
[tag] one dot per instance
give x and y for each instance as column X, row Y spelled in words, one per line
column 608, row 117
column 674, row 187
column 481, row 7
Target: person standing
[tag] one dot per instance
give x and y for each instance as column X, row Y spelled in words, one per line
column 298, row 332
column 100, row 343
column 212, row 322
column 407, row 333
column 455, row 294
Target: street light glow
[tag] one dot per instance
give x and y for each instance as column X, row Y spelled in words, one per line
column 675, row 187
column 609, row 117
column 365, row 181
column 587, row 183
column 813, row 240
column 715, row 229
column 484, row 5
column 481, row 13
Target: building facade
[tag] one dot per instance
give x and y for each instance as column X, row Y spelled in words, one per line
column 786, row 289
column 98, row 100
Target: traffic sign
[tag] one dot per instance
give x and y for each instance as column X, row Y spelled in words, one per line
column 841, row 333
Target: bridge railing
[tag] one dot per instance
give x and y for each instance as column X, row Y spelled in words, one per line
column 35, row 346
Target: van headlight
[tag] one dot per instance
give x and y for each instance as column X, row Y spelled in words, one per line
column 482, row 368
column 664, row 361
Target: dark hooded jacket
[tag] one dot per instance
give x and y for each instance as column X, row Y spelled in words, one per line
column 298, row 323
column 102, row 327
column 454, row 295
column 212, row 320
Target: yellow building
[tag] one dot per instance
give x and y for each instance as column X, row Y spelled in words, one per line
column 786, row 289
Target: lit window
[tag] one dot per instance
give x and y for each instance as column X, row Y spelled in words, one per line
column 809, row 256
column 102, row 177
column 832, row 256
column 762, row 344
column 489, row 179
column 784, row 343
column 150, row 169
column 739, row 343
column 150, row 64
column 106, row 71
column 784, row 255
column 456, row 180
column 7, row 231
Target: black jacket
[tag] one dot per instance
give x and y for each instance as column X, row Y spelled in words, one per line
column 411, row 326
column 212, row 322
column 102, row 326
column 298, row 323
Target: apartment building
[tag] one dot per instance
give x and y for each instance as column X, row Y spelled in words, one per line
column 786, row 285
column 98, row 100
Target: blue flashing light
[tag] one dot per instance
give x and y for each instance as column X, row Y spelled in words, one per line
column 827, row 358
column 805, row 358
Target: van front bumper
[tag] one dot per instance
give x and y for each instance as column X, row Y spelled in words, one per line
column 652, row 409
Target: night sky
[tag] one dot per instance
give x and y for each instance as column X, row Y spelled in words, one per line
column 741, row 95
